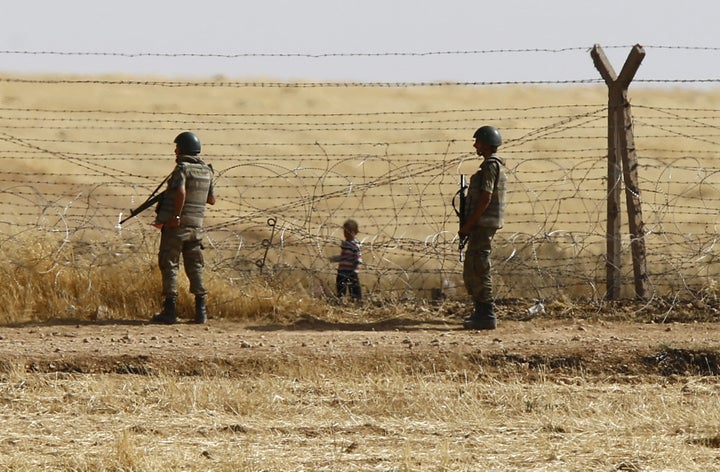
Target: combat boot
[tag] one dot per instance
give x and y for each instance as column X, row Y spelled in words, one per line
column 200, row 309
column 477, row 313
column 482, row 318
column 168, row 314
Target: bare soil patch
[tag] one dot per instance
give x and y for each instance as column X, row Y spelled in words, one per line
column 628, row 350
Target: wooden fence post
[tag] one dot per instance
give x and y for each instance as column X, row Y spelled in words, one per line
column 621, row 149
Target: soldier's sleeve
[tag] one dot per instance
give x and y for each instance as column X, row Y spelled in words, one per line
column 177, row 178
column 489, row 176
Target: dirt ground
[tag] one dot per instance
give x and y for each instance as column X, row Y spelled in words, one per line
column 633, row 350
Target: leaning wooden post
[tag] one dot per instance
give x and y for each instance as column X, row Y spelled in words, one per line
column 621, row 149
column 612, row 233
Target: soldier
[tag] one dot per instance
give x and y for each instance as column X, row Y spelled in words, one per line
column 484, row 209
column 180, row 216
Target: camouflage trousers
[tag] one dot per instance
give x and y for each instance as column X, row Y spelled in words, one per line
column 188, row 242
column 476, row 268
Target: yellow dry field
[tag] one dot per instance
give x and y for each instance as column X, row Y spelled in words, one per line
column 409, row 393
column 281, row 380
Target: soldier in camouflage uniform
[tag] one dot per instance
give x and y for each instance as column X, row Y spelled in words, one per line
column 180, row 215
column 485, row 207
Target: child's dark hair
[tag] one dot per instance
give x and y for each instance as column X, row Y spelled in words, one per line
column 351, row 226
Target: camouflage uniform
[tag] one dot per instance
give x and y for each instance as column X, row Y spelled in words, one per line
column 185, row 239
column 476, row 270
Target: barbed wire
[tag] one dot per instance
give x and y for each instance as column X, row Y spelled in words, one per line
column 424, row 267
column 71, row 111
column 308, row 84
column 394, row 170
column 317, row 84
column 346, row 54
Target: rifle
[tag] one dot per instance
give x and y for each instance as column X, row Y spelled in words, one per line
column 151, row 200
column 461, row 196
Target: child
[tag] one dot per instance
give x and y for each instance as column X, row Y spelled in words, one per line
column 349, row 262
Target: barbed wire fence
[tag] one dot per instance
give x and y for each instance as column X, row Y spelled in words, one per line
column 73, row 170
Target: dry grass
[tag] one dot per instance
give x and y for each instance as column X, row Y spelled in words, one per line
column 45, row 279
column 42, row 281
column 387, row 420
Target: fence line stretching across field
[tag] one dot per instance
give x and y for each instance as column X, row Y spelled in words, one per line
column 68, row 175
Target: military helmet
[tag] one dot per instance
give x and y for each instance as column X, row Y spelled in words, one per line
column 488, row 135
column 188, row 143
